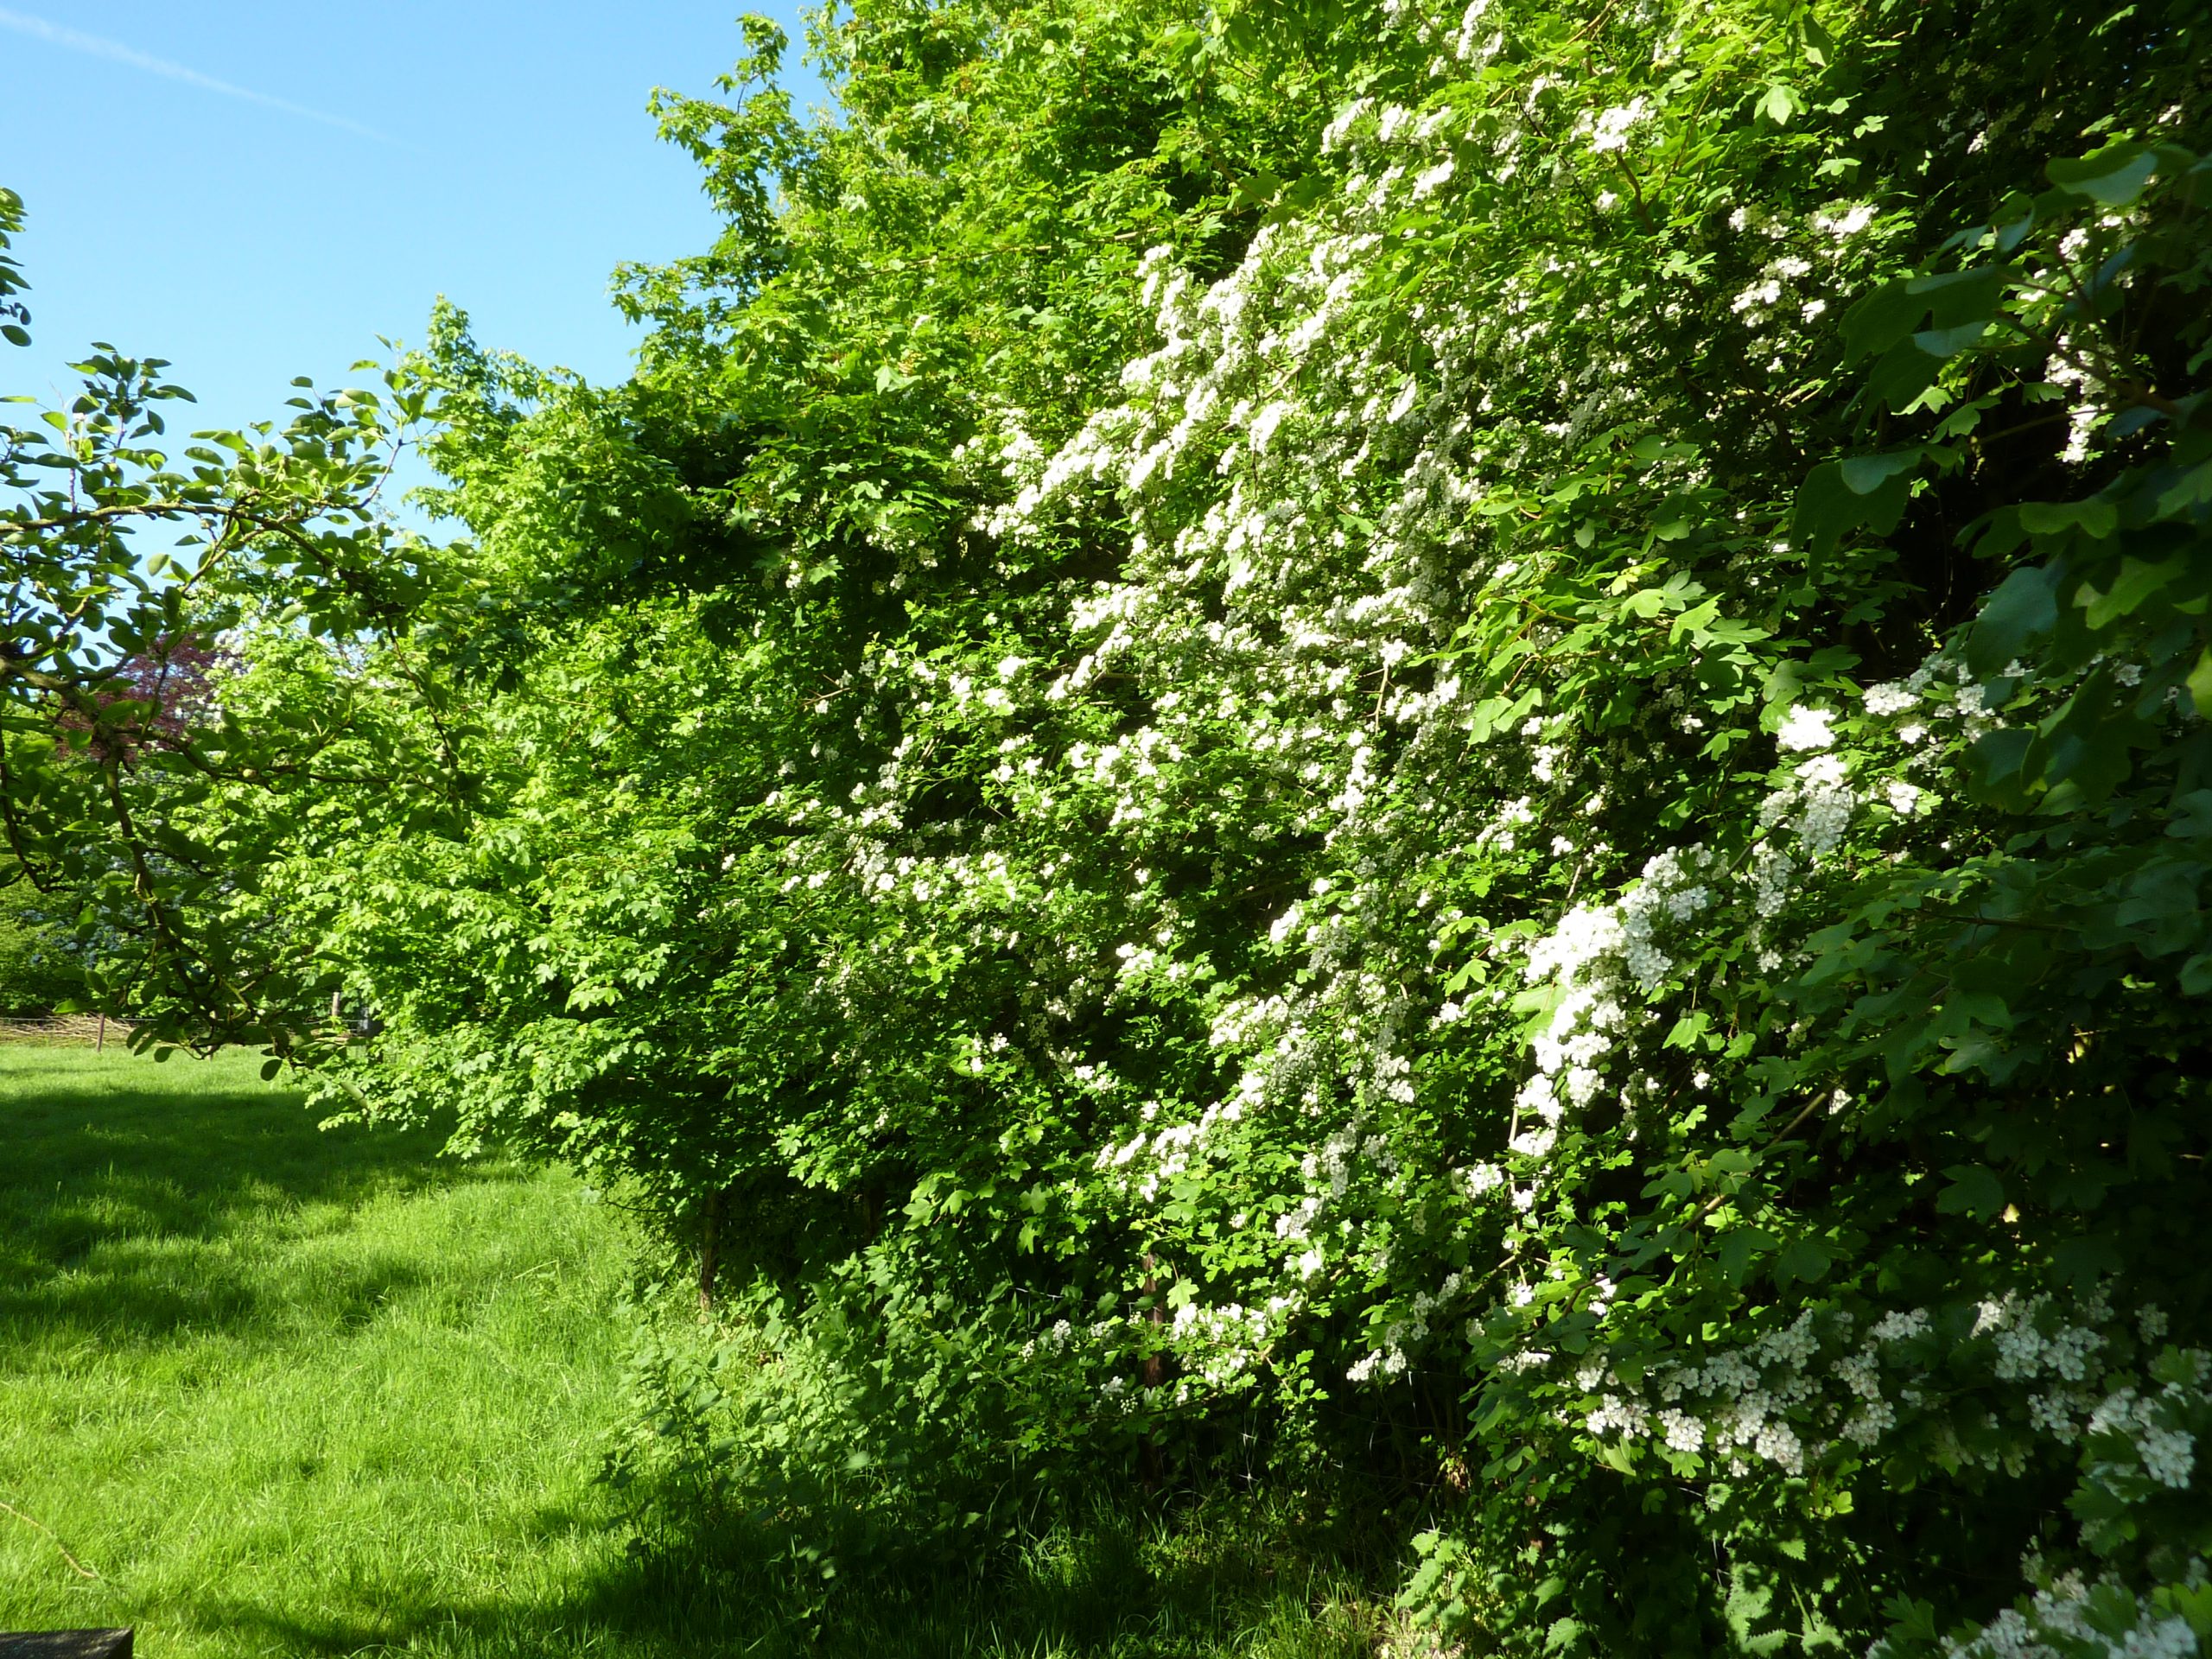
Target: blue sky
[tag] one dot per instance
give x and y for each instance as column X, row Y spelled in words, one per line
column 255, row 191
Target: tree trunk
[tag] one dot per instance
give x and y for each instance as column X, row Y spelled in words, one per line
column 708, row 1247
column 1155, row 1373
column 1155, row 1366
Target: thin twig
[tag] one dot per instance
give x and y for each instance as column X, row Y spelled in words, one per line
column 1788, row 1130
column 76, row 1565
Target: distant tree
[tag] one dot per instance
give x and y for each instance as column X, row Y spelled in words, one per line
column 129, row 792
column 38, row 972
column 156, row 697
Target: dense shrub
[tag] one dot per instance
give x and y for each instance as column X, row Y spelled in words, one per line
column 38, row 973
column 1471, row 746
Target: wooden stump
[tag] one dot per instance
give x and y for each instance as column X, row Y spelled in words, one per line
column 66, row 1645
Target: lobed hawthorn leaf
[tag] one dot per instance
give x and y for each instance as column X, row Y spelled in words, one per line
column 1974, row 1192
column 1871, row 495
column 2112, row 178
column 2024, row 607
column 1947, row 301
column 2135, row 583
column 1865, row 474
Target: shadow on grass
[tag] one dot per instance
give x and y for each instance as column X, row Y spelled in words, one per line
column 1120, row 1585
column 120, row 1172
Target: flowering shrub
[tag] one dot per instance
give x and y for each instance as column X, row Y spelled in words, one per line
column 1470, row 743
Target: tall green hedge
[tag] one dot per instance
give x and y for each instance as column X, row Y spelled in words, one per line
column 1464, row 750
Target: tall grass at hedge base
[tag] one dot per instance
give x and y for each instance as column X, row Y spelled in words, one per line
column 267, row 1389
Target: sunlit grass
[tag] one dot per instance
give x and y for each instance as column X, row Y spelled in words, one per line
column 267, row 1389
column 285, row 1390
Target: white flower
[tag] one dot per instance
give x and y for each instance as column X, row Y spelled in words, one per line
column 1264, row 424
column 1533, row 1143
column 1610, row 131
column 1805, row 728
column 1843, row 226
column 1432, row 179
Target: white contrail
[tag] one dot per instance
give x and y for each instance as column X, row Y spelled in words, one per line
column 39, row 29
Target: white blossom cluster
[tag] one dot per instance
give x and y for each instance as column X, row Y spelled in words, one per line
column 1223, row 1344
column 1311, row 517
column 1793, row 1395
column 1315, row 511
column 2069, row 1616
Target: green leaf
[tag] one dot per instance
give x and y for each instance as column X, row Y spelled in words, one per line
column 2136, row 582
column 1739, row 1248
column 1910, row 1621
column 1902, row 375
column 2200, row 685
column 2111, row 178
column 1882, row 319
column 1974, row 1191
column 1949, row 342
column 2082, row 1262
column 2024, row 607
column 1831, row 504
column 2192, row 816
column 1255, row 191
column 2194, row 490
column 1800, row 1259
column 1864, row 474
column 2194, row 1604
column 1956, row 297
column 2094, row 519
column 1779, row 102
column 1954, row 301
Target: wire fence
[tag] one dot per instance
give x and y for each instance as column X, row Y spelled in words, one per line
column 64, row 1030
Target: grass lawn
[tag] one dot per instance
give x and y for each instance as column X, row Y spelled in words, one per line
column 287, row 1390
column 267, row 1389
